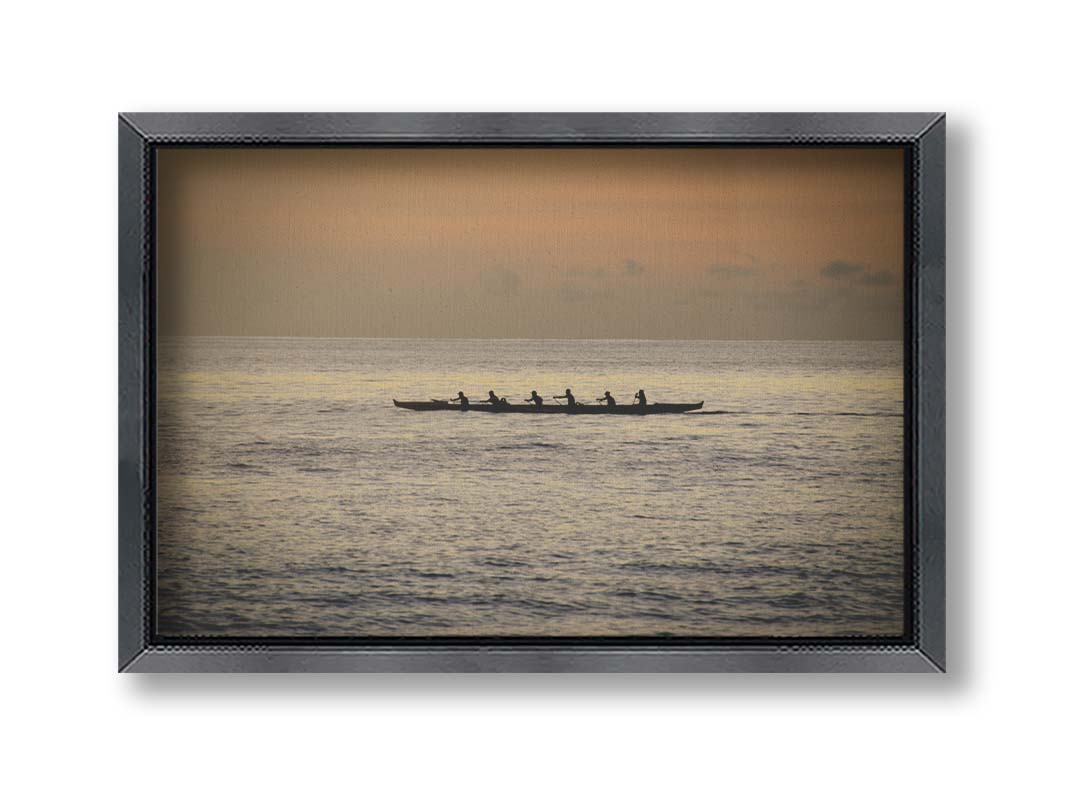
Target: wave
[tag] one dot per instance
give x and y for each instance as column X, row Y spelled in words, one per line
column 530, row 446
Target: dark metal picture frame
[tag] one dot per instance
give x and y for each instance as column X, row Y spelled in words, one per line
column 921, row 649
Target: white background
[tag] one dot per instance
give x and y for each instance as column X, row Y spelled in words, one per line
column 994, row 725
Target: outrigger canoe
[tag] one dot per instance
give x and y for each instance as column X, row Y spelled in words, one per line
column 651, row 408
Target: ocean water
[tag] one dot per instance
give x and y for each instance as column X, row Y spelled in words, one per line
column 295, row 500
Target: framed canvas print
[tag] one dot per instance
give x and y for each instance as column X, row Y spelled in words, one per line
column 531, row 392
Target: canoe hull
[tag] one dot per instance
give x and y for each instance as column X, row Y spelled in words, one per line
column 633, row 410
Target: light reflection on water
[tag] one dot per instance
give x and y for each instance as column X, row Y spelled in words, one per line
column 295, row 500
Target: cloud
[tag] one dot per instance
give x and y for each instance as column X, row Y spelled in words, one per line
column 880, row 278
column 730, row 271
column 841, row 270
column 572, row 293
column 633, row 267
column 502, row 282
column 847, row 272
column 592, row 272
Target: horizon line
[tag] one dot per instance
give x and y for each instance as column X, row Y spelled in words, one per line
column 492, row 338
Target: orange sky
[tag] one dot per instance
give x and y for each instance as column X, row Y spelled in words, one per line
column 679, row 243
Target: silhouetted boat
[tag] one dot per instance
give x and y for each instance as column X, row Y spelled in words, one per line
column 651, row 408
